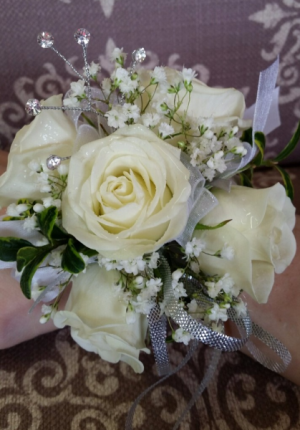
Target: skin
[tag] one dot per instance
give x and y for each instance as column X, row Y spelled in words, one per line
column 280, row 316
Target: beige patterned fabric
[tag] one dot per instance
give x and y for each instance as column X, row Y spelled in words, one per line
column 227, row 42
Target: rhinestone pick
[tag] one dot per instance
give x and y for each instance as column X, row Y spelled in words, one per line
column 45, row 39
column 33, row 107
column 139, row 55
column 53, row 162
column 82, row 36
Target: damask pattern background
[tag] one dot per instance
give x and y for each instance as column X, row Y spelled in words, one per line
column 50, row 383
column 227, row 42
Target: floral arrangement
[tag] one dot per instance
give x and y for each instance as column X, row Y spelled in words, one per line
column 128, row 188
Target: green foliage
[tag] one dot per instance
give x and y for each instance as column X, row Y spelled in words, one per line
column 71, row 261
column 9, row 247
column 46, row 221
column 246, row 173
column 29, row 271
column 290, row 146
column 211, row 227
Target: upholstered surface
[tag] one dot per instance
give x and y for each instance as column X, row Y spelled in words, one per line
column 227, row 42
column 50, row 383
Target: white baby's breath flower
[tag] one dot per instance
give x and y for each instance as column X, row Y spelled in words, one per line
column 217, row 162
column 120, row 74
column 128, row 85
column 159, row 75
column 78, row 88
column 132, row 111
column 194, row 247
column 47, row 202
column 34, row 166
column 93, row 69
column 213, row 288
column 154, row 286
column 11, row 210
column 22, row 208
column 165, row 129
column 182, row 336
column 218, row 313
column 177, row 274
column 43, row 178
column 153, row 260
column 150, row 119
column 117, row 53
column 217, row 327
column 192, row 306
column 209, row 174
column 240, row 150
column 131, row 317
column 30, row 223
column 188, row 75
column 227, row 252
column 139, row 282
column 240, row 308
column 38, row 208
column 107, row 263
column 71, row 102
column 45, row 189
column 116, row 117
column 178, row 289
column 63, row 169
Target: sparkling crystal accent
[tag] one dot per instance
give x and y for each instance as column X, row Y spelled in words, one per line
column 33, row 107
column 139, row 55
column 45, row 39
column 82, row 36
column 53, row 162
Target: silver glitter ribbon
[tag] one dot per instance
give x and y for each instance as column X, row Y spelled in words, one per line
column 218, row 341
column 158, row 333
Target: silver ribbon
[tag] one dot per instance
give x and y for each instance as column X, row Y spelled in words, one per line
column 200, row 202
column 266, row 86
column 197, row 329
column 158, row 333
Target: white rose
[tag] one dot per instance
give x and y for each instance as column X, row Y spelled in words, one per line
column 98, row 319
column 260, row 234
column 127, row 194
column 222, row 104
column 51, row 132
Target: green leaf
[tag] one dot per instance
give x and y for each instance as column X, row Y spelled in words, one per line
column 82, row 249
column 260, row 141
column 25, row 255
column 290, row 146
column 29, row 272
column 289, row 188
column 13, row 218
column 246, row 180
column 46, row 221
column 247, row 136
column 59, row 233
column 71, row 261
column 211, row 227
column 9, row 247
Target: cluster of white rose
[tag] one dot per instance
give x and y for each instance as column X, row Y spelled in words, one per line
column 127, row 194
